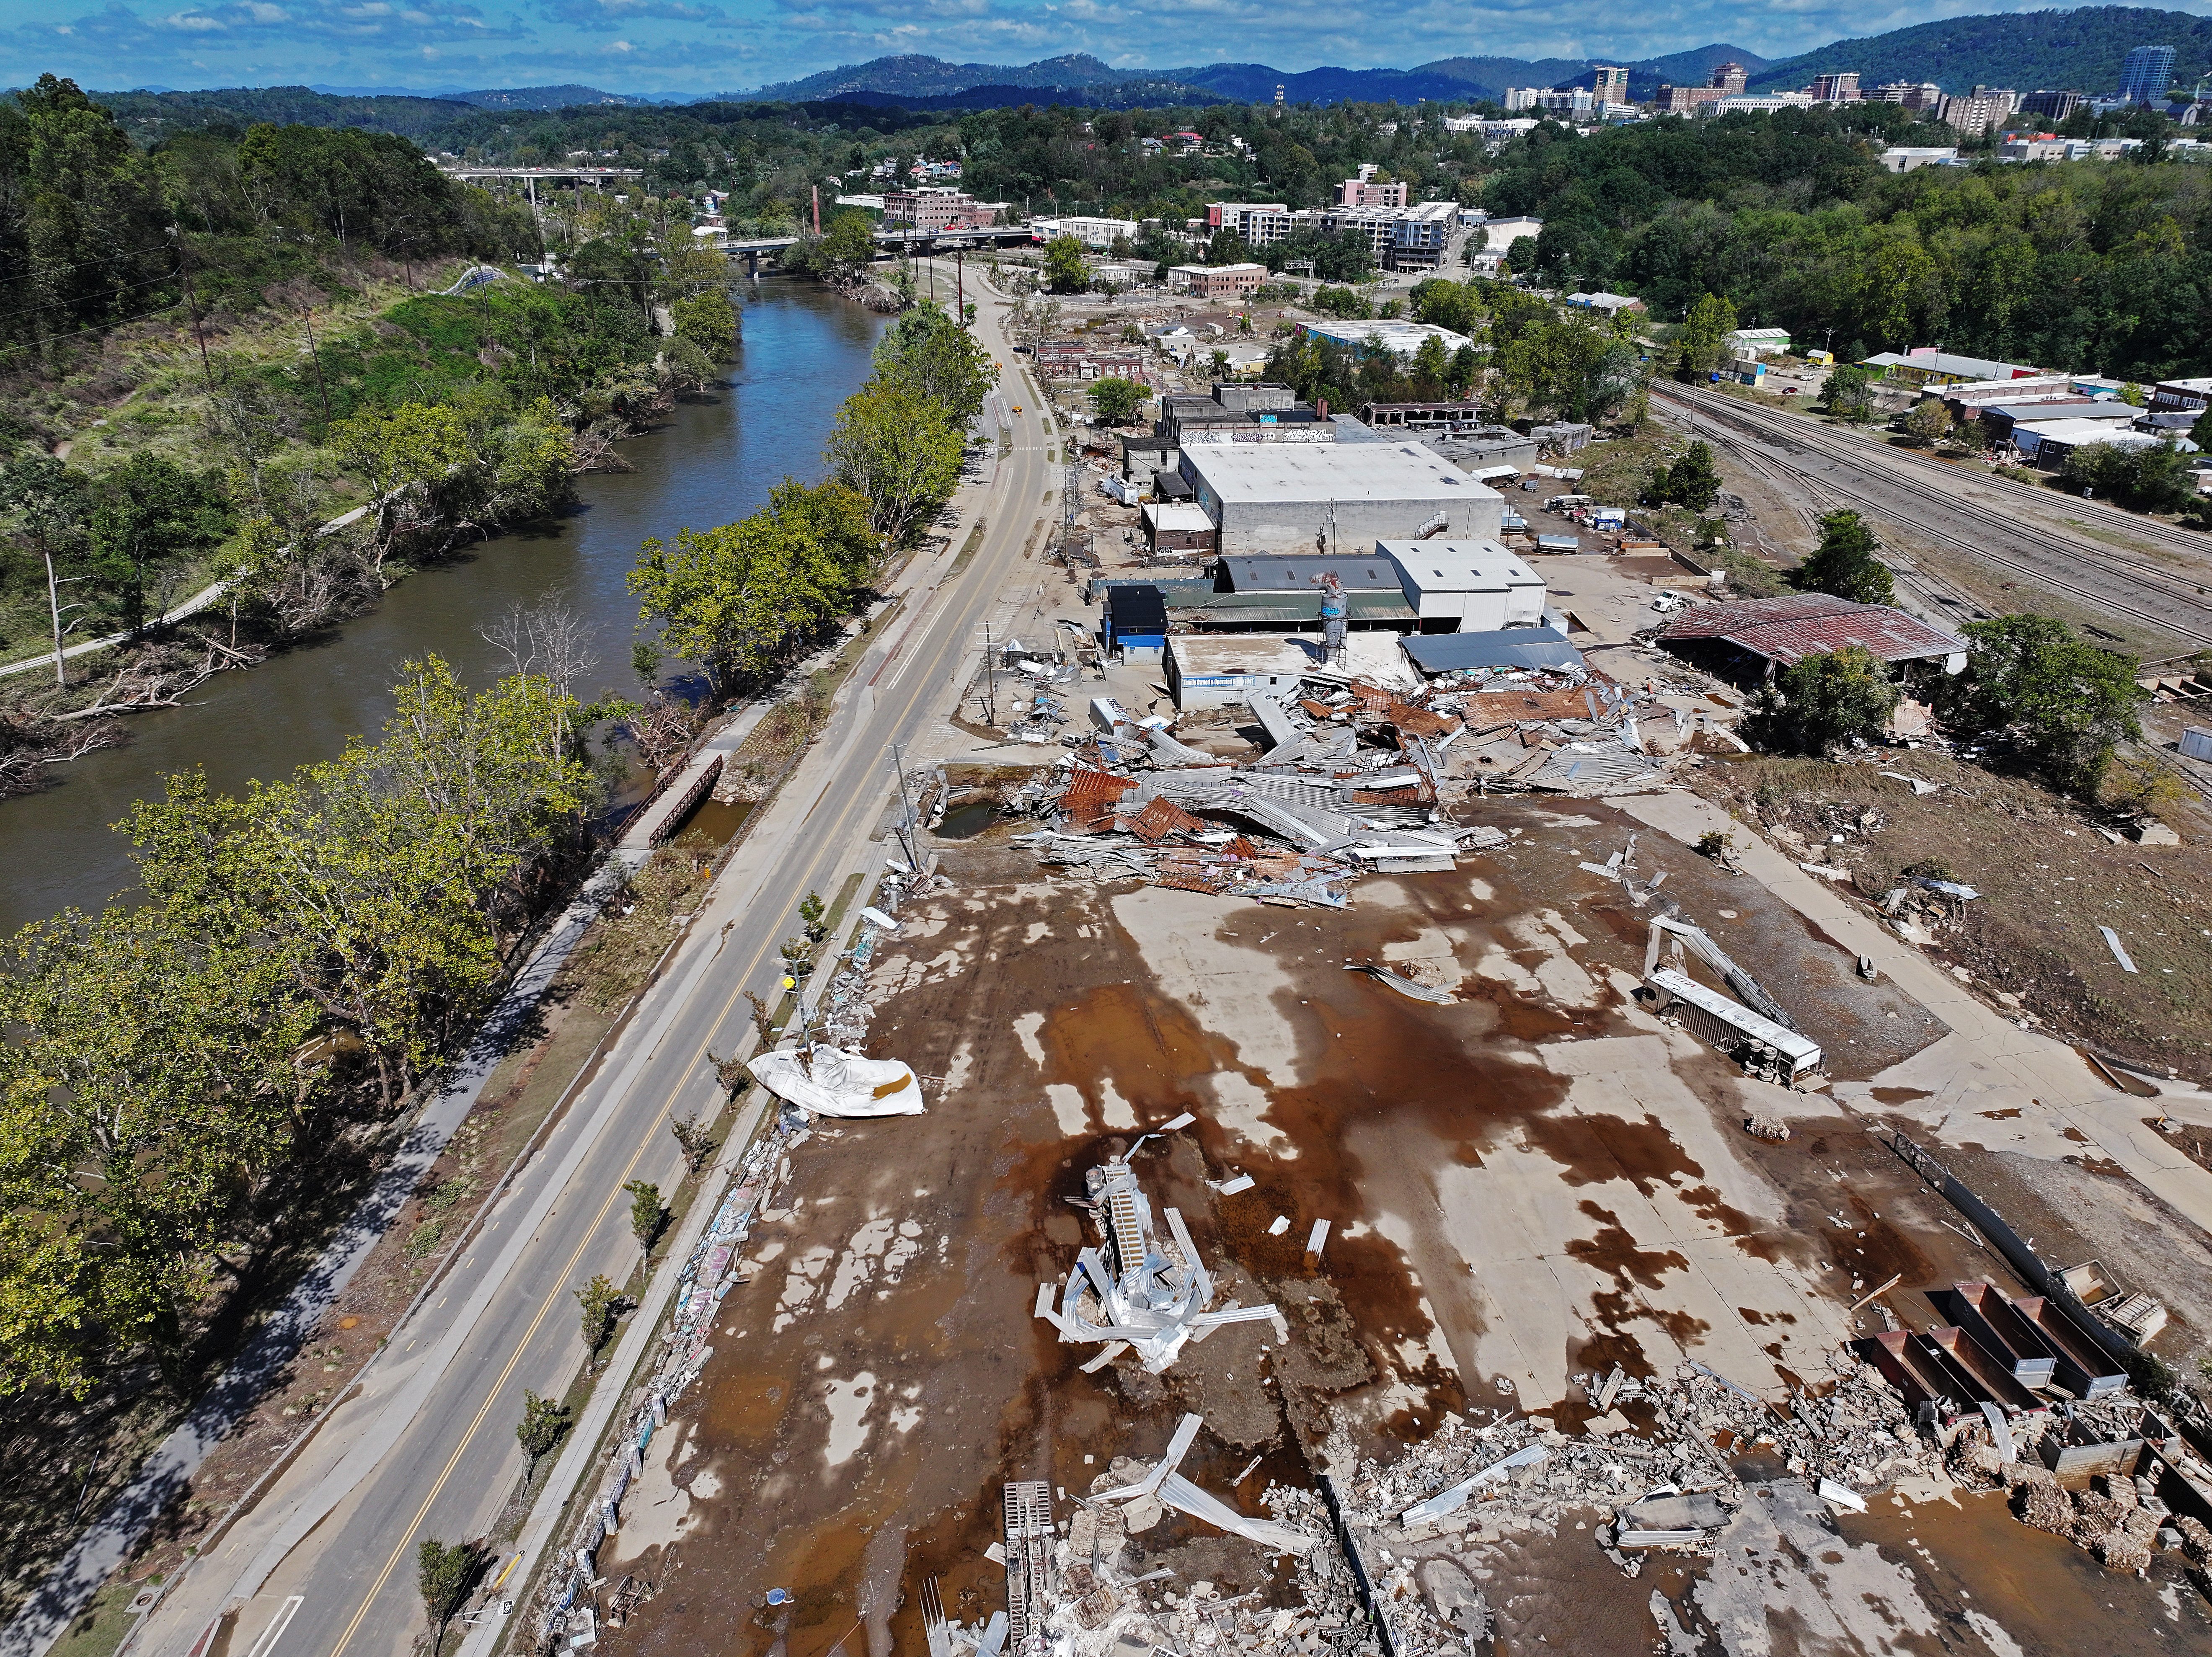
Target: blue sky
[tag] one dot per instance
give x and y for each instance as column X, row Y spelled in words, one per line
column 709, row 45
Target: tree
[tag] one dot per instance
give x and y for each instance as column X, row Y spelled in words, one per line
column 1693, row 481
column 151, row 513
column 927, row 352
column 737, row 600
column 849, row 243
column 2200, row 430
column 545, row 1422
column 444, row 1574
column 1063, row 266
column 1847, row 393
column 709, row 321
column 1821, row 702
column 646, row 1215
column 895, row 448
column 1699, row 345
column 51, row 502
column 596, row 1303
column 814, row 915
column 2140, row 476
column 1115, row 401
column 2065, row 703
column 1844, row 564
column 1928, row 423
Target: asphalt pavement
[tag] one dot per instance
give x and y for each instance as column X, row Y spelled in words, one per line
column 325, row 1563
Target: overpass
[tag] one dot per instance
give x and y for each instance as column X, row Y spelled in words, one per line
column 902, row 241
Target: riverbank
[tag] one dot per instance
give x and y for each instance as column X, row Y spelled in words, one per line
column 712, row 460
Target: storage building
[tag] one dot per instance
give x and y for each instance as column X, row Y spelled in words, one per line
column 1466, row 586
column 1211, row 670
column 1335, row 497
column 1172, row 529
column 1136, row 622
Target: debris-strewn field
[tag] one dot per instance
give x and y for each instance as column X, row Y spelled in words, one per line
column 1548, row 1235
column 2048, row 880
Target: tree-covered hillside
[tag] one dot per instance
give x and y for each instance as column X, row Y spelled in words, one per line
column 2079, row 50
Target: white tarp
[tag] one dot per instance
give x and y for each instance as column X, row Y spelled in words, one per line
column 830, row 1082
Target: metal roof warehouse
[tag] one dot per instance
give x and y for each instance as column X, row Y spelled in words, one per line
column 1784, row 631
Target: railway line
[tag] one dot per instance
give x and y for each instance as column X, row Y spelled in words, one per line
column 2086, row 570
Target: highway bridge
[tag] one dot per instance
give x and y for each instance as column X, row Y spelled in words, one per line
column 904, row 242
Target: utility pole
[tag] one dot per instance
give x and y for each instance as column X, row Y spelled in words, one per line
column 906, row 811
column 192, row 298
column 317, row 356
column 990, row 680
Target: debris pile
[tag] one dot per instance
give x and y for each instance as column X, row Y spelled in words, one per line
column 1681, row 1432
column 1297, row 827
column 1144, row 1292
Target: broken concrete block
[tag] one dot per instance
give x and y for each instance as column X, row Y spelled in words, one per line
column 2119, row 1550
column 2043, row 1506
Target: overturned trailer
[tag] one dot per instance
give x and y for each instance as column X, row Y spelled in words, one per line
column 1764, row 1041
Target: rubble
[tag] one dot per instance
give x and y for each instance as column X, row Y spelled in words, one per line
column 1153, row 1295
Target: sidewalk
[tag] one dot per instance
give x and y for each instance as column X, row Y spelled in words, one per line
column 1986, row 1062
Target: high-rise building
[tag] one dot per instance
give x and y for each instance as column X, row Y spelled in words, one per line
column 1842, row 89
column 2146, row 75
column 1913, row 94
column 1611, row 86
column 2053, row 107
column 1729, row 77
column 1972, row 115
column 1518, row 98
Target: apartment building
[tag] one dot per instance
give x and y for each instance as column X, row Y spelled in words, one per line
column 929, row 209
column 1258, row 222
column 1841, row 88
column 1974, row 113
column 1420, row 235
column 1611, row 86
column 1364, row 191
column 1911, row 95
column 2052, row 106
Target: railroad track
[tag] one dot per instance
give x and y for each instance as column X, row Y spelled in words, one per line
column 2188, row 543
column 1733, row 428
column 1940, row 596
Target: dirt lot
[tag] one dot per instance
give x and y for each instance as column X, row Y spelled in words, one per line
column 1532, row 1182
column 2048, row 881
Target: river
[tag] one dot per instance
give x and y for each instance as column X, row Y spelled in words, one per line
column 804, row 351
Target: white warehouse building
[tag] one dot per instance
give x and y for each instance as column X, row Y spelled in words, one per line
column 1335, row 497
column 1466, row 586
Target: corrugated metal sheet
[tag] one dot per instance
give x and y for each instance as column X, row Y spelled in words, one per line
column 1891, row 634
column 1160, row 819
column 1517, row 646
column 1786, row 630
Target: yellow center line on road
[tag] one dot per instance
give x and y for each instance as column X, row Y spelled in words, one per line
column 825, row 847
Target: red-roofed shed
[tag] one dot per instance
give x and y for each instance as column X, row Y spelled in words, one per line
column 1785, row 630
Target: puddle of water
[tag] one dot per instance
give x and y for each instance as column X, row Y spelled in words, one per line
column 966, row 822
column 712, row 822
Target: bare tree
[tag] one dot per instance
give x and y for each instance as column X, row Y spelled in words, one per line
column 548, row 640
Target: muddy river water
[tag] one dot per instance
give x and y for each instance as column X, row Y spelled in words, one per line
column 713, row 460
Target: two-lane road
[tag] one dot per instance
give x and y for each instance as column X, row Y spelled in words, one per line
column 326, row 1563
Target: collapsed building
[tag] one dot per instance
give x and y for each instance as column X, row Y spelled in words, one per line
column 1143, row 1293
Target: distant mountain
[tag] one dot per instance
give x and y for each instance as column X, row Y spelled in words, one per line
column 562, row 97
column 915, row 81
column 151, row 113
column 2070, row 51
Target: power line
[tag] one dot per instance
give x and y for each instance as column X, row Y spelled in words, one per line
column 64, row 270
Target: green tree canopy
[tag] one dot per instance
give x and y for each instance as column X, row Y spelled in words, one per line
column 927, row 352
column 2142, row 477
column 1821, row 702
column 709, row 321
column 1844, row 564
column 1063, row 266
column 1698, row 347
column 2064, row 702
column 151, row 515
column 1115, row 401
column 893, row 447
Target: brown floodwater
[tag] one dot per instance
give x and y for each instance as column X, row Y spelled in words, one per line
column 713, row 460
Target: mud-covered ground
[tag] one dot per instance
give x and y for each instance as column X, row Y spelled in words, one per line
column 1534, row 1181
